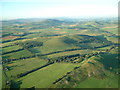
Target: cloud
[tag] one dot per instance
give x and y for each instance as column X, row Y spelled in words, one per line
column 67, row 8
column 85, row 10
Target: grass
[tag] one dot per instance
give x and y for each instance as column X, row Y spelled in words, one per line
column 11, row 48
column 92, row 33
column 13, row 42
column 17, row 55
column 41, row 39
column 2, row 80
column 61, row 43
column 44, row 78
column 86, row 51
column 1, row 77
column 87, row 68
column 111, row 81
column 31, row 36
column 111, row 30
column 112, row 59
column 71, row 53
column 22, row 66
column 108, row 47
column 112, row 39
column 8, row 44
column 53, row 45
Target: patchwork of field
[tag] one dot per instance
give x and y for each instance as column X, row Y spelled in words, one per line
column 60, row 54
column 53, row 45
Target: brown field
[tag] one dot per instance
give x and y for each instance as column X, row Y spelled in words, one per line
column 10, row 37
column 111, row 27
column 57, row 28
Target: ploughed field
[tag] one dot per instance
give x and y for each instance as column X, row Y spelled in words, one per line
column 55, row 53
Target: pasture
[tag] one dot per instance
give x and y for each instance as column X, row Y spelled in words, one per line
column 44, row 77
column 111, row 81
column 21, row 66
column 17, row 55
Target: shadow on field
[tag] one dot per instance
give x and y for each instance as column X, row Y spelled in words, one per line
column 110, row 61
column 15, row 84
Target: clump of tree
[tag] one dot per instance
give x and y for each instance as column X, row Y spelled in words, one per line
column 15, row 84
column 67, row 59
column 69, row 40
column 76, row 58
column 30, row 44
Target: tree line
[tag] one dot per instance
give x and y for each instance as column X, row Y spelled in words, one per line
column 30, row 44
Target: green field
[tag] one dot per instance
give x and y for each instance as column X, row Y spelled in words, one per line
column 71, row 53
column 17, row 55
column 11, row 48
column 1, row 79
column 44, row 78
column 112, row 59
column 91, row 74
column 52, row 45
column 113, row 39
column 8, row 44
column 112, row 30
column 22, row 66
column 110, row 82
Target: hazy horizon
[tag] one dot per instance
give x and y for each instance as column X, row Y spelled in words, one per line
column 62, row 8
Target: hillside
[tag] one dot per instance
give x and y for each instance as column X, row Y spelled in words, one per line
column 89, row 71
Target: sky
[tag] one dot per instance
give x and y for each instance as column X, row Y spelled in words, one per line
column 13, row 9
